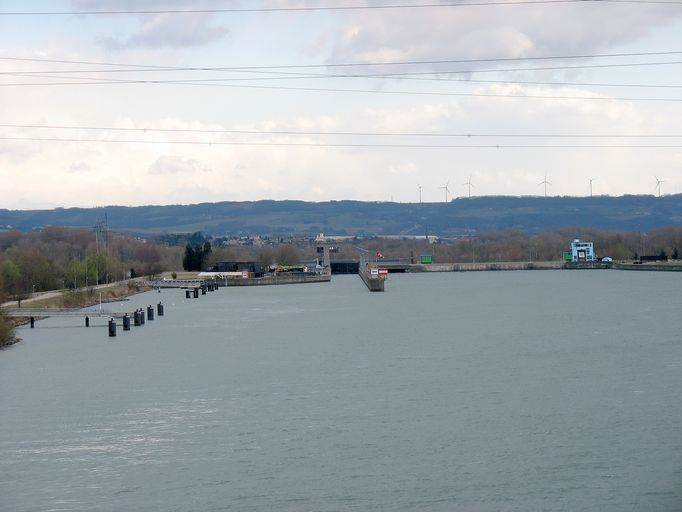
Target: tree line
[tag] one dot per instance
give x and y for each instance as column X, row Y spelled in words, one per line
column 520, row 246
column 58, row 258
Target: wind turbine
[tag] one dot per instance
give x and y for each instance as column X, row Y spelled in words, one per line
column 447, row 190
column 545, row 183
column 420, row 192
column 658, row 185
column 470, row 185
column 591, row 180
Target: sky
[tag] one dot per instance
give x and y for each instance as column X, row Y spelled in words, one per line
column 94, row 110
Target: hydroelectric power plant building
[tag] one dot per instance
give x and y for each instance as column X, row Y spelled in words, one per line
column 580, row 251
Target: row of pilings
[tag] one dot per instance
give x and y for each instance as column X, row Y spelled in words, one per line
column 139, row 318
column 203, row 289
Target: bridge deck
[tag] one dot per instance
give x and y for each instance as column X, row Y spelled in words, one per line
column 43, row 312
column 175, row 283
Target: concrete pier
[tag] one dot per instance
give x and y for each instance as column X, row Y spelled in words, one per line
column 375, row 283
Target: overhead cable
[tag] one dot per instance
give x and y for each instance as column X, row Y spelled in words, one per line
column 313, row 8
column 336, row 133
column 351, row 64
column 349, row 145
column 112, row 81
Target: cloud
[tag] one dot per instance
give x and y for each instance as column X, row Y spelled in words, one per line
column 170, row 31
column 167, row 173
column 91, row 173
column 163, row 30
column 494, row 31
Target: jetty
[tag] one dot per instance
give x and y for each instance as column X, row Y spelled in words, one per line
column 487, row 266
column 274, row 278
column 175, row 283
column 658, row 266
column 279, row 278
column 373, row 277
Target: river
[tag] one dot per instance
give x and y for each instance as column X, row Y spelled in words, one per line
column 481, row 391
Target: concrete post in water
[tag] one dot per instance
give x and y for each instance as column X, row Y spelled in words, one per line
column 126, row 322
column 188, row 294
column 203, row 289
column 33, row 322
column 87, row 321
column 150, row 312
column 112, row 328
column 136, row 318
column 142, row 316
column 159, row 309
column 196, row 293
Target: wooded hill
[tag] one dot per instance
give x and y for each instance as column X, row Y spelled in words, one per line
column 457, row 217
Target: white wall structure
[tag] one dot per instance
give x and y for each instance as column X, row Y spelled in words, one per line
column 582, row 251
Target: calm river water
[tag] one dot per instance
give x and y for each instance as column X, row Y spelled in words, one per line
column 489, row 391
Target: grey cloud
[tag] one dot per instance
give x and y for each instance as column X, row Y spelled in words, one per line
column 490, row 32
column 161, row 30
column 169, row 31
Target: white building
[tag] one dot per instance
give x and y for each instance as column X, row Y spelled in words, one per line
column 582, row 251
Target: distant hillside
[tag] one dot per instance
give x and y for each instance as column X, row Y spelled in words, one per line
column 529, row 214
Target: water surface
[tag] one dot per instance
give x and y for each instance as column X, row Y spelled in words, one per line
column 489, row 391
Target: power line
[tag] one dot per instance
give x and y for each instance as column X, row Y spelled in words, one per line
column 112, row 81
column 326, row 8
column 290, row 75
column 539, row 82
column 338, row 133
column 298, row 76
column 350, row 145
column 302, row 76
column 352, row 64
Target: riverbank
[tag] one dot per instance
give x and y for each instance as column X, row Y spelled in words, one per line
column 662, row 266
column 7, row 336
column 656, row 266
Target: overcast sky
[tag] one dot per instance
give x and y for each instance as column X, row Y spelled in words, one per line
column 93, row 89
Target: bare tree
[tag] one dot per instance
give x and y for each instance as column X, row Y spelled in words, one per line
column 265, row 256
column 288, row 255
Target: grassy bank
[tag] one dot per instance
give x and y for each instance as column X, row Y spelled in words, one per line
column 83, row 297
column 7, row 336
